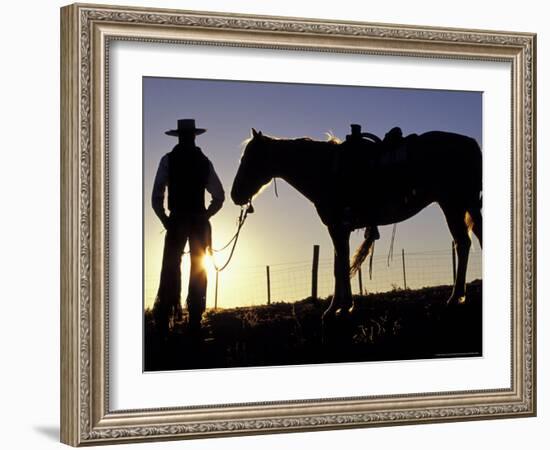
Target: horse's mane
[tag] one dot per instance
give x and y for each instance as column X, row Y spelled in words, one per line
column 305, row 143
column 331, row 139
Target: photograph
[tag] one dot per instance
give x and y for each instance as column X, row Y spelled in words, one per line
column 294, row 223
column 274, row 224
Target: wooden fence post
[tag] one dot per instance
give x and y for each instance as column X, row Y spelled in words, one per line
column 404, row 272
column 314, row 271
column 268, row 285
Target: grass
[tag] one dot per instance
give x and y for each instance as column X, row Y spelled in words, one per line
column 396, row 325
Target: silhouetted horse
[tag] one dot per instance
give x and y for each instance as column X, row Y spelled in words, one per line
column 373, row 184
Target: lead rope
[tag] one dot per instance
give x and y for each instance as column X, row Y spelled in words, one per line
column 390, row 252
column 275, row 186
column 370, row 260
column 240, row 222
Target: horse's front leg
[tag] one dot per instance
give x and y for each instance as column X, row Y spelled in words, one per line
column 341, row 299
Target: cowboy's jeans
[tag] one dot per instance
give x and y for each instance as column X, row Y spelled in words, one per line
column 196, row 230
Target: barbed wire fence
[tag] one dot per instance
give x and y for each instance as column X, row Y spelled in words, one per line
column 293, row 281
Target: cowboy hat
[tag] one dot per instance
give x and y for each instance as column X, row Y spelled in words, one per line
column 185, row 126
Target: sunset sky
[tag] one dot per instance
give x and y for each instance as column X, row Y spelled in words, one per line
column 283, row 230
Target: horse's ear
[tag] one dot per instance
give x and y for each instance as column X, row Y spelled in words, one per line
column 255, row 133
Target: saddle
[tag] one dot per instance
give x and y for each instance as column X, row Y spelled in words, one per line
column 364, row 153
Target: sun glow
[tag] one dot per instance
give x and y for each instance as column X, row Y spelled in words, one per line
column 208, row 264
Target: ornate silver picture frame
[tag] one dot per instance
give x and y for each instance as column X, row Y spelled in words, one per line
column 87, row 34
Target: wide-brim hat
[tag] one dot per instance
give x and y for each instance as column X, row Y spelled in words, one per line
column 185, row 126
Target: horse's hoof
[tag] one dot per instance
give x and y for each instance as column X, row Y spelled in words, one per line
column 354, row 308
column 344, row 311
column 456, row 300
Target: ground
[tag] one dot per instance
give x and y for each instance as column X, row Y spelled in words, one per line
column 396, row 325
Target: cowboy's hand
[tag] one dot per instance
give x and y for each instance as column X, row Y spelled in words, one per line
column 209, row 213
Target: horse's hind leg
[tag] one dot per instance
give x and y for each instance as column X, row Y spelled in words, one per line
column 456, row 220
column 341, row 300
column 476, row 224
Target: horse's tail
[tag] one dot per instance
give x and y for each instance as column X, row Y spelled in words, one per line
column 475, row 168
column 469, row 221
column 473, row 218
column 363, row 251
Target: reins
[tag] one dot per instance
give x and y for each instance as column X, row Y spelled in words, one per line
column 390, row 251
column 275, row 186
column 245, row 210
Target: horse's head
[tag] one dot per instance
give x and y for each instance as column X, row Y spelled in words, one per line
column 254, row 171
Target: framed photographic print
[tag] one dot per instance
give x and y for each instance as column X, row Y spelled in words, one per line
column 278, row 224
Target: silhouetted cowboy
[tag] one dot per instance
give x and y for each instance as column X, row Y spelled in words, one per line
column 186, row 173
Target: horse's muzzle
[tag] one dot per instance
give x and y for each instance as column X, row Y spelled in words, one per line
column 238, row 199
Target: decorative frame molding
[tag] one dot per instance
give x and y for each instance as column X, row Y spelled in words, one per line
column 86, row 31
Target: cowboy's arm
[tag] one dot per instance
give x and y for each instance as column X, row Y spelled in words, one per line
column 215, row 189
column 159, row 187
